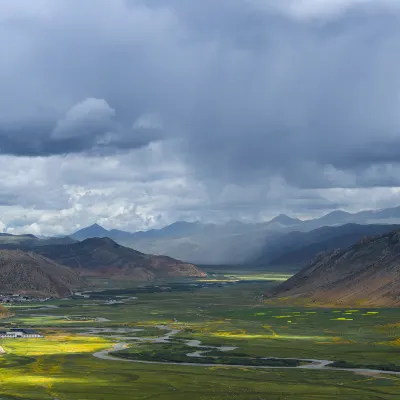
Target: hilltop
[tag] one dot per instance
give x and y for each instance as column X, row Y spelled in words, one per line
column 104, row 257
column 367, row 273
column 29, row 273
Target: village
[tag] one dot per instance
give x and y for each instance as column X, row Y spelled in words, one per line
column 19, row 298
column 16, row 333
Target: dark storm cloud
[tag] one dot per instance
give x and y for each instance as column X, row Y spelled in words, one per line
column 89, row 126
column 247, row 88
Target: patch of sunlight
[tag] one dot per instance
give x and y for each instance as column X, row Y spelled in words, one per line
column 43, row 380
column 372, row 312
column 259, row 314
column 395, row 342
column 314, row 338
column 258, row 336
column 57, row 344
column 260, row 277
column 283, row 316
column 342, row 319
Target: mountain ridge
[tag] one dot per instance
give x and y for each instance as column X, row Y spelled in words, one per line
column 105, row 257
column 235, row 242
column 365, row 274
column 297, row 248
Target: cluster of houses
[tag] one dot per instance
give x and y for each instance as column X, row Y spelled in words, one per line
column 15, row 333
column 19, row 298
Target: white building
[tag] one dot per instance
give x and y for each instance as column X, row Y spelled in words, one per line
column 20, row 333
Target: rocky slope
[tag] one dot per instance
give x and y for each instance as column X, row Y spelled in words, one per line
column 104, row 257
column 367, row 273
column 29, row 273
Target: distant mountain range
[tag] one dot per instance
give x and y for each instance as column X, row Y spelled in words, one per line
column 237, row 243
column 95, row 251
column 365, row 274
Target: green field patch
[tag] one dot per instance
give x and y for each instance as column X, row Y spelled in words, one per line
column 179, row 353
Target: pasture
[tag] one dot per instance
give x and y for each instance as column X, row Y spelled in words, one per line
column 62, row 366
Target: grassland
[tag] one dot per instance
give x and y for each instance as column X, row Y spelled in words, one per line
column 62, row 365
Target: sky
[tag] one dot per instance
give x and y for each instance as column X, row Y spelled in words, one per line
column 137, row 113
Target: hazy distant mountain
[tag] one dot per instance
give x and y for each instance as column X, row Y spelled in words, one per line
column 385, row 216
column 367, row 274
column 334, row 218
column 235, row 242
column 28, row 242
column 284, row 220
column 282, row 223
column 8, row 239
column 191, row 241
column 104, row 257
column 296, row 249
column 177, row 229
column 29, row 273
column 94, row 230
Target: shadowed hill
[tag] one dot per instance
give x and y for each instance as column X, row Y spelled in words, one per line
column 298, row 248
column 367, row 273
column 104, row 257
column 30, row 273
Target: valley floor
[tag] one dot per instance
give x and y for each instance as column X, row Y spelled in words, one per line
column 228, row 327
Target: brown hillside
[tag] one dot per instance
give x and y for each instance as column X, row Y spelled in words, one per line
column 30, row 273
column 367, row 273
column 104, row 257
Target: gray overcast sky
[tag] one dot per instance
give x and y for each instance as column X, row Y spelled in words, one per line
column 136, row 113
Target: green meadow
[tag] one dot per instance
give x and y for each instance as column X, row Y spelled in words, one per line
column 62, row 365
